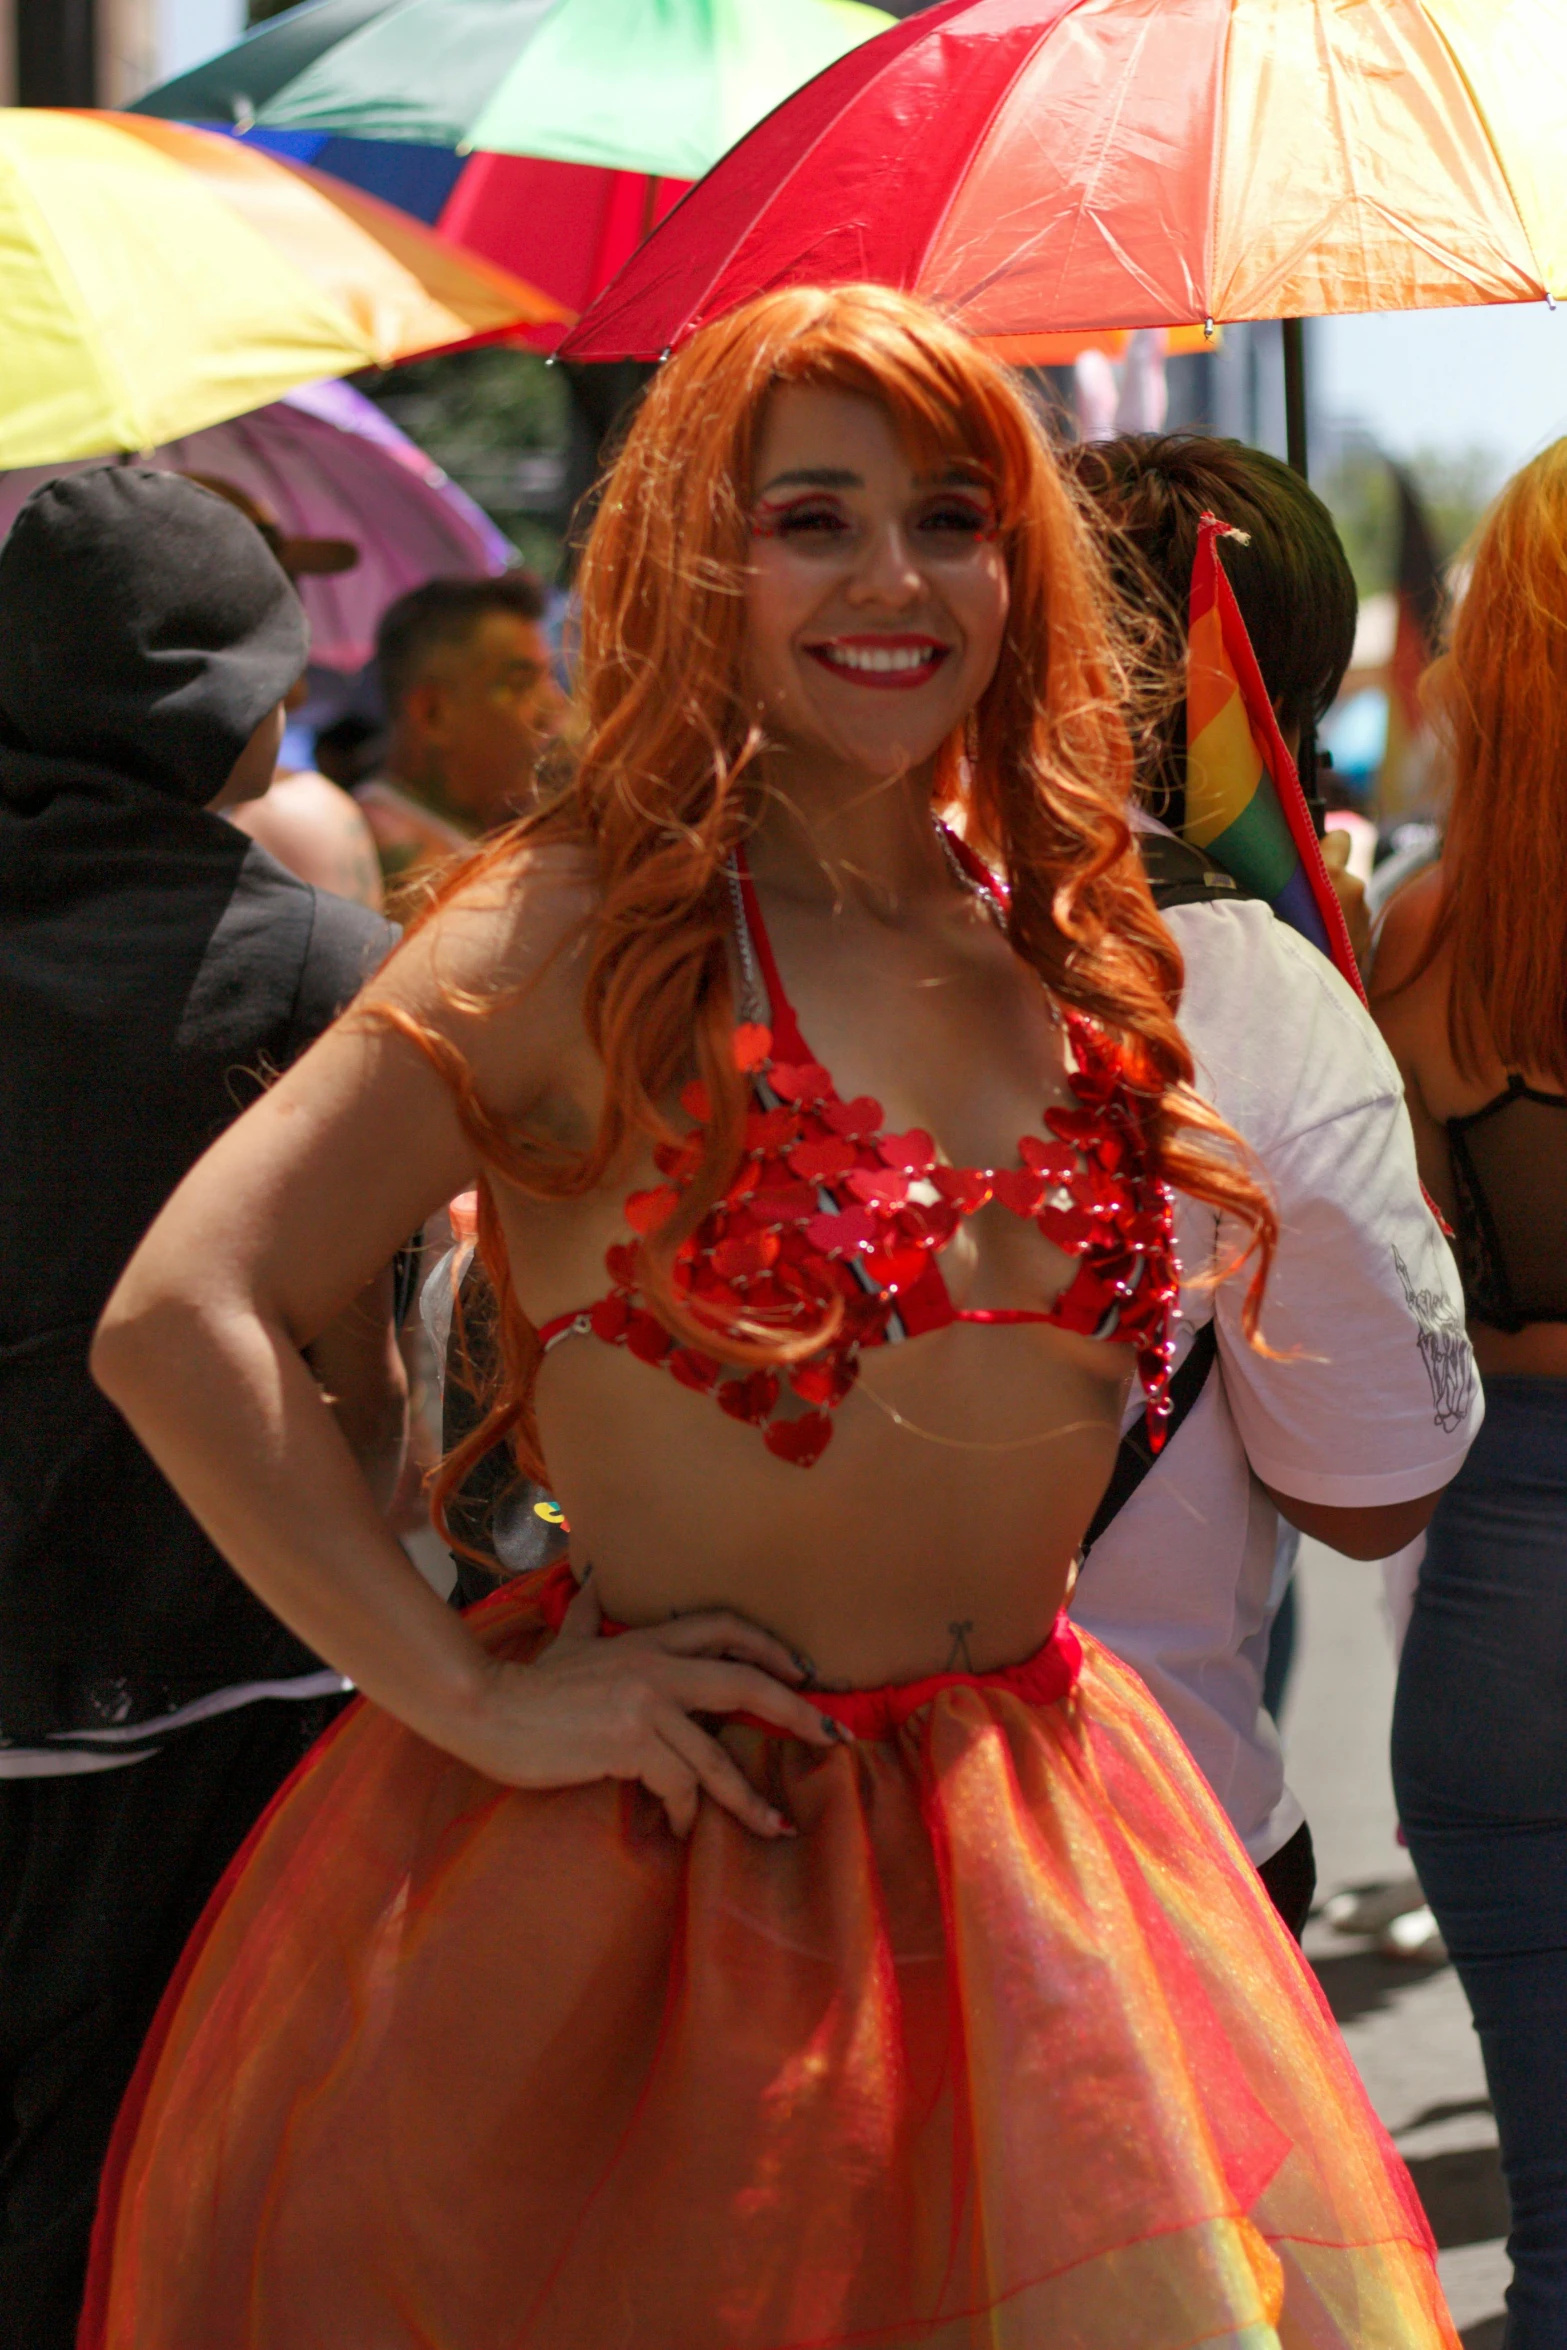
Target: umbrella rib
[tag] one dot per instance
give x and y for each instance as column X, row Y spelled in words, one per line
column 1000, row 272
column 1095, row 167
column 1481, row 115
column 976, row 148
column 64, row 279
column 1448, row 256
column 752, row 222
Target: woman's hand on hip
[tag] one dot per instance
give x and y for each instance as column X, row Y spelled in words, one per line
column 591, row 1708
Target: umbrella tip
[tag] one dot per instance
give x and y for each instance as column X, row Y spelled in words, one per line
column 664, row 354
column 1207, row 330
column 244, row 113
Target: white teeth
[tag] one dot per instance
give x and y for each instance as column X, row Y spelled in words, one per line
column 880, row 658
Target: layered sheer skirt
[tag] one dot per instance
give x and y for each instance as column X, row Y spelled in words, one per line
column 1006, row 2048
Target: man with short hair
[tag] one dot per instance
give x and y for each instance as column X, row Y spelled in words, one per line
column 471, row 704
column 156, row 967
column 1346, row 1430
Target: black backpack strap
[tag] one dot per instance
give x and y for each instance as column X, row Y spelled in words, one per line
column 1180, row 875
column 1135, row 1457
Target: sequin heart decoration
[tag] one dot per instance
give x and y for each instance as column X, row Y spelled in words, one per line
column 609, row 1318
column 803, row 1081
column 767, row 1131
column 837, row 1236
column 694, row 1370
column 968, row 1188
column 826, row 1381
column 913, row 1153
column 895, row 1269
column 740, row 1260
column 859, row 1119
column 1019, row 1189
column 647, row 1210
column 885, row 1192
column 823, row 1159
column 752, row 1046
column 778, row 1201
column 647, row 1338
column 751, row 1397
column 801, row 1441
column 1056, row 1161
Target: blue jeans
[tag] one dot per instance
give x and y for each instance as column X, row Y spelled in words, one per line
column 1480, row 1774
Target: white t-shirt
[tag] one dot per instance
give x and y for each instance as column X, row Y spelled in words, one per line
column 1381, row 1400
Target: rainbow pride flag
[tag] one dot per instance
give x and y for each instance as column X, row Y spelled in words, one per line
column 1244, row 805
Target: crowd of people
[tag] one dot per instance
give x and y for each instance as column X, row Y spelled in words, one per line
column 827, row 1874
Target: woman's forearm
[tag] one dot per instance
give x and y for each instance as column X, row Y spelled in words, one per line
column 229, row 1410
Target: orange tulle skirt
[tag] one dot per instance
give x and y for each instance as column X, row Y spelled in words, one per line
column 1007, row 2048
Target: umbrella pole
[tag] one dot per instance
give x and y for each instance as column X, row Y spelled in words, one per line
column 1295, row 395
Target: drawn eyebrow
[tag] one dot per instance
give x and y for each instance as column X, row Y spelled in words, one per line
column 817, row 477
column 835, row 477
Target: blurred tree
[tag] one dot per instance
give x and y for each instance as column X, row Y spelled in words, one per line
column 498, row 421
column 1455, row 487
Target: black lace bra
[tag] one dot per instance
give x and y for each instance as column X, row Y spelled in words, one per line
column 1509, row 1164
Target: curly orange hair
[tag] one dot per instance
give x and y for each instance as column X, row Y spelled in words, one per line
column 1499, row 696
column 659, row 794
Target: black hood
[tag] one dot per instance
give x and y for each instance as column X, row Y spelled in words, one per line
column 145, row 632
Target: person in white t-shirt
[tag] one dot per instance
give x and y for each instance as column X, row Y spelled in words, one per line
column 1366, row 1405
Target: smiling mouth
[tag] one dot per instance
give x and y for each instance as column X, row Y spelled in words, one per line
column 894, row 663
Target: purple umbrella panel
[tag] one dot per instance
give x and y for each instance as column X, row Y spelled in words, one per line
column 329, row 464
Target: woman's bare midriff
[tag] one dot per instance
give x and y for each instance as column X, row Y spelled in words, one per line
column 1539, row 1351
column 936, row 1532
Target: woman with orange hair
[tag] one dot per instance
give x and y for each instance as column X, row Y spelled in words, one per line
column 1470, row 989
column 771, row 1929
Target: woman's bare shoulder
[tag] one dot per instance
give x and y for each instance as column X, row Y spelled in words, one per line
column 1405, row 933
column 510, row 919
column 498, row 967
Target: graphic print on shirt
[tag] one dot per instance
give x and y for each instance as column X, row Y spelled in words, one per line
column 1444, row 1349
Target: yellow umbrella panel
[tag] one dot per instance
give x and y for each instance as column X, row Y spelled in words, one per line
column 156, row 279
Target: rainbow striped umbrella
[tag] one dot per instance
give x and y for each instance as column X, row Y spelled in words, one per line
column 1041, row 166
column 658, row 86
column 154, row 280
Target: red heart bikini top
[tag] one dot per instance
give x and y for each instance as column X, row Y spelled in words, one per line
column 825, row 1205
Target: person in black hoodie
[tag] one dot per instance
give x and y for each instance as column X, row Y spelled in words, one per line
column 155, row 966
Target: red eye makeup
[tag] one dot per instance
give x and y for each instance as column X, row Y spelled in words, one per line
column 811, row 515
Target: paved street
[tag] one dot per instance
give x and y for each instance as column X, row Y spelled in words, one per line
column 1407, row 2026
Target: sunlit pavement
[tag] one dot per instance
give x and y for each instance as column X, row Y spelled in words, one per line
column 1407, row 2026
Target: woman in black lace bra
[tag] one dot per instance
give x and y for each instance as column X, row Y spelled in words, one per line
column 1470, row 990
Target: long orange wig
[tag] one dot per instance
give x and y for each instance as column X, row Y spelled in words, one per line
column 663, row 787
column 1500, row 699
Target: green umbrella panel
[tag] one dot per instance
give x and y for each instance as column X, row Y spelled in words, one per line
column 658, row 86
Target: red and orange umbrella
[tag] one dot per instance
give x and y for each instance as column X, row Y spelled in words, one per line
column 1046, row 166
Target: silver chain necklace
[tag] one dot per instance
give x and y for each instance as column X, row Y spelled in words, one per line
column 752, row 1006
column 752, row 1000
